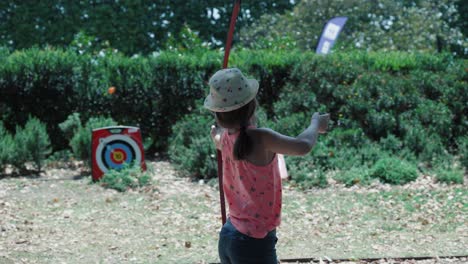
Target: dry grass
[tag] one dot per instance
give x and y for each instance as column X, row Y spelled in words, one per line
column 61, row 218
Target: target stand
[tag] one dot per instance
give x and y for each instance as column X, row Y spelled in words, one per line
column 114, row 147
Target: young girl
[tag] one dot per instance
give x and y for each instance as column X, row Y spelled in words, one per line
column 251, row 177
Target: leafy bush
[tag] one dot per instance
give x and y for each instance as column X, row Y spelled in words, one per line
column 343, row 149
column 81, row 140
column 291, row 125
column 394, row 171
column 59, row 158
column 449, row 174
column 391, row 144
column 71, row 125
column 328, row 147
column 7, row 147
column 428, row 147
column 436, row 117
column 129, row 177
column 191, row 147
column 462, row 144
column 32, row 144
column 353, row 176
column 305, row 173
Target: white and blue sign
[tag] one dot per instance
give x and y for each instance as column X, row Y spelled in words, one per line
column 330, row 33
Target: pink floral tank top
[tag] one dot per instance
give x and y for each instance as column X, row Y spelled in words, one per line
column 253, row 192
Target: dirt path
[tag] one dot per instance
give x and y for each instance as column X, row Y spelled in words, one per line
column 62, row 218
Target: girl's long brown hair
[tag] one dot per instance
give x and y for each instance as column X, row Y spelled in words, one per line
column 239, row 118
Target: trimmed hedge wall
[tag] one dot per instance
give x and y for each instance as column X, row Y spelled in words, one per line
column 383, row 94
column 411, row 108
column 150, row 92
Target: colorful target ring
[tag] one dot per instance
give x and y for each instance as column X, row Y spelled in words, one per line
column 115, row 151
column 117, row 156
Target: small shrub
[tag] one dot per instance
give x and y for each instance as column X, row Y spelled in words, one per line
column 353, row 176
column 32, row 144
column 129, row 177
column 345, row 148
column 321, row 155
column 434, row 151
column 347, row 157
column 450, row 175
column 394, row 171
column 380, row 123
column 391, row 143
column 462, row 144
column 190, row 146
column 81, row 141
column 305, row 173
column 428, row 147
column 59, row 157
column 7, row 147
column 316, row 178
column 435, row 117
column 346, row 137
column 70, row 126
column 4, row 52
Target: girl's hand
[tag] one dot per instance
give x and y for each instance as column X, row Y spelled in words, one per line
column 216, row 136
column 322, row 121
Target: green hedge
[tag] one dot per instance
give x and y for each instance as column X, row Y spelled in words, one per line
column 152, row 92
column 411, row 96
column 408, row 107
column 51, row 84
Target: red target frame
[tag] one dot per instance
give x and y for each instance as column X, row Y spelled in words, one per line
column 113, row 147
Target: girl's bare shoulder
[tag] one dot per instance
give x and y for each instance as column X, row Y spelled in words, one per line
column 259, row 130
column 276, row 142
column 262, row 133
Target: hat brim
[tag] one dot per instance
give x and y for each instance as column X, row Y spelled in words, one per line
column 210, row 105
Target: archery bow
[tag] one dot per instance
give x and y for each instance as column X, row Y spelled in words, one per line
column 227, row 49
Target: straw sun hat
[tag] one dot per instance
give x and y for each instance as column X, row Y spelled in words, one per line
column 230, row 90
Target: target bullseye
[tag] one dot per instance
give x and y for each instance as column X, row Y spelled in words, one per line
column 118, row 156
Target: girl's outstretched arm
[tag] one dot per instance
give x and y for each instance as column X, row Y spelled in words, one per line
column 296, row 146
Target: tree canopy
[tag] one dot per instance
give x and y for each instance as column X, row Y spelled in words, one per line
column 145, row 26
column 131, row 26
column 431, row 25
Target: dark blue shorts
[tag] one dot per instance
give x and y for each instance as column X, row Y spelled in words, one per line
column 237, row 248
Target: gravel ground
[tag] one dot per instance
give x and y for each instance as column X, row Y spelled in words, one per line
column 60, row 217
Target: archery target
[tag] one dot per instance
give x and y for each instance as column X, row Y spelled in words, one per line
column 114, row 151
column 115, row 146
